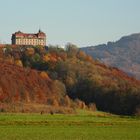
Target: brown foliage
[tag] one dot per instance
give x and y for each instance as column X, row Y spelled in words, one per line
column 80, row 104
column 18, row 84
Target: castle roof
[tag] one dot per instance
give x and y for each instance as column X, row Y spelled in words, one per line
column 29, row 35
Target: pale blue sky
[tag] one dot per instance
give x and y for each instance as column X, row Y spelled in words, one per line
column 82, row 22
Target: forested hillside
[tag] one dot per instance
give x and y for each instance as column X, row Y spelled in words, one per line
column 24, row 89
column 123, row 54
column 83, row 78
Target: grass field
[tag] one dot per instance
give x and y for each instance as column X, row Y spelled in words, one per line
column 83, row 126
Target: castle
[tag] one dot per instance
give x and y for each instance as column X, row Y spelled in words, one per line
column 20, row 38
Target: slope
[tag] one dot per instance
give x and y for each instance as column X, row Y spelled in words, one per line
column 123, row 54
column 20, row 87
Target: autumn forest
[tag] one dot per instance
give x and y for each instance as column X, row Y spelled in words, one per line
column 64, row 79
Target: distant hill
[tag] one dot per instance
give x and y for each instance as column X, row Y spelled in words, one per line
column 123, row 54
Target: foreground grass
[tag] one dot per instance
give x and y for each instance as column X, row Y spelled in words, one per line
column 83, row 126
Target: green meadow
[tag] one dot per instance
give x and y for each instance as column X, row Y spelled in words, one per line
column 81, row 126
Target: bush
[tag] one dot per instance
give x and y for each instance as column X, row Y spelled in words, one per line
column 80, row 104
column 92, row 107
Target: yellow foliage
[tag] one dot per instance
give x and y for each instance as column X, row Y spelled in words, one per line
column 18, row 63
column 46, row 58
column 44, row 75
column 51, row 58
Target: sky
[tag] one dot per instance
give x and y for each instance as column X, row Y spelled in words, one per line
column 81, row 22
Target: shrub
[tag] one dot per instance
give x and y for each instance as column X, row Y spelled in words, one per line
column 80, row 104
column 92, row 107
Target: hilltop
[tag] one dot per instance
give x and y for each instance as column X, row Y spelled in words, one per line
column 123, row 54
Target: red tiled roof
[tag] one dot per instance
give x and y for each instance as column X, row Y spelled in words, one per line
column 20, row 34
